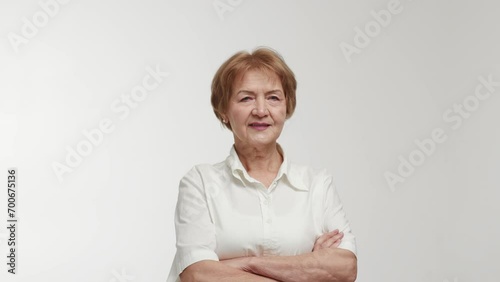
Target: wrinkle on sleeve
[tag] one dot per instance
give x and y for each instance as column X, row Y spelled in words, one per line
column 335, row 217
column 195, row 231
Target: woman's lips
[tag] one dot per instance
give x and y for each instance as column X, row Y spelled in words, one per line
column 259, row 125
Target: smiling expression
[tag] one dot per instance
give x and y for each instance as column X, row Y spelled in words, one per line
column 257, row 108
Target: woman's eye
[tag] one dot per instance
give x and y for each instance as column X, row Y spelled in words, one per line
column 275, row 98
column 245, row 99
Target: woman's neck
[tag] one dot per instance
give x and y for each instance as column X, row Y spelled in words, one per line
column 265, row 159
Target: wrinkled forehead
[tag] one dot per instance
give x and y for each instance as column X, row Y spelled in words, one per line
column 269, row 76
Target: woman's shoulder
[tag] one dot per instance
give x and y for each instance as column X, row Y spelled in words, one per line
column 309, row 175
column 308, row 170
column 207, row 168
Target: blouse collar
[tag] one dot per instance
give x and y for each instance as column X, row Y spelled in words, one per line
column 286, row 169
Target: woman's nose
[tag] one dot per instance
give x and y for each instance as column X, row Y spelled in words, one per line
column 260, row 108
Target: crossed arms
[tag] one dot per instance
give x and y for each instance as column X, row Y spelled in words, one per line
column 325, row 263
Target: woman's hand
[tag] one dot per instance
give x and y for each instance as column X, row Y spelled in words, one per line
column 328, row 240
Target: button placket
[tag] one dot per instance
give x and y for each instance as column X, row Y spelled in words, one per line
column 269, row 217
column 265, row 202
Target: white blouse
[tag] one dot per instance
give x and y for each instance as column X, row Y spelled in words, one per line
column 222, row 212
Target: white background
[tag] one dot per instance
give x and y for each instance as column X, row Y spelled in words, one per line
column 111, row 218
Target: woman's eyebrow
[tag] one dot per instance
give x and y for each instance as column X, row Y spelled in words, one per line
column 245, row 92
column 274, row 91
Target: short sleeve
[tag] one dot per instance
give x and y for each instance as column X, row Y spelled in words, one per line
column 195, row 231
column 335, row 217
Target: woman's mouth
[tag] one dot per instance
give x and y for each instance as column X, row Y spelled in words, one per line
column 259, row 125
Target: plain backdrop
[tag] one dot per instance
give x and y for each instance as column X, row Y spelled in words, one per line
column 359, row 114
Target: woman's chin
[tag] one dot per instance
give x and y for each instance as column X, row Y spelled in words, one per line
column 264, row 142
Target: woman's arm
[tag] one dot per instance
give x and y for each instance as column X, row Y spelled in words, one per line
column 209, row 270
column 322, row 265
column 325, row 263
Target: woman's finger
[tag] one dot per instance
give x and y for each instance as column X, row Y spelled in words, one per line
column 326, row 236
column 334, row 241
column 323, row 238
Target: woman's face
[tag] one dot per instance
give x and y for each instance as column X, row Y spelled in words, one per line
column 257, row 108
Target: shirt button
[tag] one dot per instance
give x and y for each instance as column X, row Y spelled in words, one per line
column 265, row 202
column 269, row 221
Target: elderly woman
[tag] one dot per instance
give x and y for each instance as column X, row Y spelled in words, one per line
column 257, row 216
